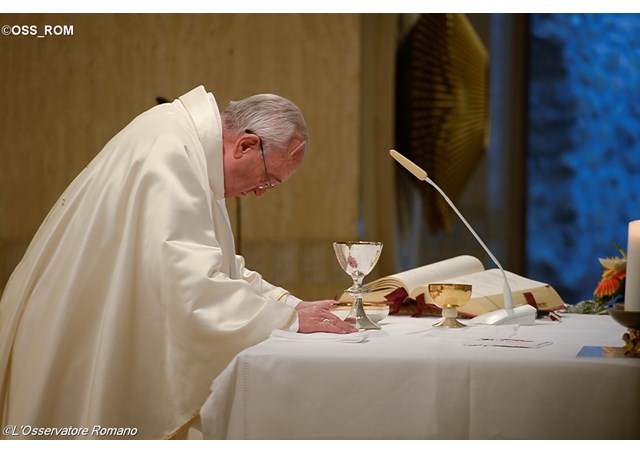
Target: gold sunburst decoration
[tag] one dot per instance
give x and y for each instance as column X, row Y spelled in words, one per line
column 442, row 106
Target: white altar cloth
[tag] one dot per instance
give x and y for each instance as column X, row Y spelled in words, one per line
column 412, row 381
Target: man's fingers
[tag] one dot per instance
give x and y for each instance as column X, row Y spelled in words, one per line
column 317, row 317
column 335, row 325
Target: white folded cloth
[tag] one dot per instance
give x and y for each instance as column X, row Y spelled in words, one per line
column 356, row 337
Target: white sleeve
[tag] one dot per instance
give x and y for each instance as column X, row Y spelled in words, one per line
column 293, row 302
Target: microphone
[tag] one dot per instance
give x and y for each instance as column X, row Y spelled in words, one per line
column 522, row 314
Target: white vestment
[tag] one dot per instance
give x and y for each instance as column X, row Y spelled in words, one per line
column 130, row 299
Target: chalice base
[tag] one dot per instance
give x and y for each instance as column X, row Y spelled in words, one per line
column 359, row 318
column 449, row 320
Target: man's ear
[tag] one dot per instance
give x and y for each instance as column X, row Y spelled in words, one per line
column 244, row 143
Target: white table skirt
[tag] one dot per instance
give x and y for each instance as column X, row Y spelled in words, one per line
column 412, row 381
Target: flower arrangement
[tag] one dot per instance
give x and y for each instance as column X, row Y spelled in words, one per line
column 610, row 288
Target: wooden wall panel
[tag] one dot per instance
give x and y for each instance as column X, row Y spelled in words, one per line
column 377, row 181
column 323, row 77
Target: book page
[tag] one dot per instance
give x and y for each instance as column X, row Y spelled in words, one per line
column 488, row 289
column 430, row 273
column 491, row 282
column 419, row 276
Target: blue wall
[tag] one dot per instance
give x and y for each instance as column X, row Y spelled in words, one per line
column 583, row 164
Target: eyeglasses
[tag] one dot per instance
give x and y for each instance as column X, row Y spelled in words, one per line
column 268, row 185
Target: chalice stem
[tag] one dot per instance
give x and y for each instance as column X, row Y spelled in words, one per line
column 359, row 316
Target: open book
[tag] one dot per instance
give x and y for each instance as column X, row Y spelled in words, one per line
column 408, row 291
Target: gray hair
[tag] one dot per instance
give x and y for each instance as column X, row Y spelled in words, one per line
column 273, row 118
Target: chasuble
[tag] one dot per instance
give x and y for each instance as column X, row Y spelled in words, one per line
column 130, row 299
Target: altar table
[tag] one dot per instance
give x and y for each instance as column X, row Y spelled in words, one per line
column 413, row 381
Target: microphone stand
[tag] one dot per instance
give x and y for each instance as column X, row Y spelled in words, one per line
column 522, row 314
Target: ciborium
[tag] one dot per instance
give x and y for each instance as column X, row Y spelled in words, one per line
column 449, row 296
column 357, row 259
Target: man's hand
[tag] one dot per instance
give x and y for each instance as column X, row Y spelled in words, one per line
column 315, row 316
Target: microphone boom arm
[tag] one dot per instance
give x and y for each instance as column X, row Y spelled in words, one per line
column 506, row 289
column 522, row 315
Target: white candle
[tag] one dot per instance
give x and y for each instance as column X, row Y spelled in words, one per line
column 632, row 281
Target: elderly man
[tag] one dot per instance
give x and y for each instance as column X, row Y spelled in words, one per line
column 131, row 298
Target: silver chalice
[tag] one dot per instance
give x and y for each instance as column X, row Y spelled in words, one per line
column 358, row 258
